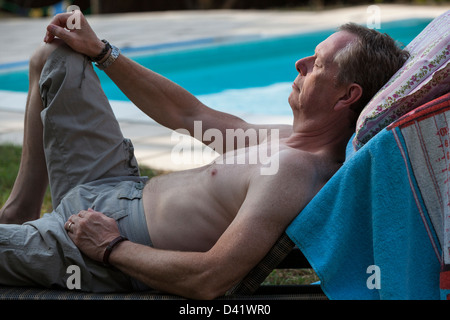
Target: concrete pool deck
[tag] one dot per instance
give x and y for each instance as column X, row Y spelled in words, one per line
column 153, row 143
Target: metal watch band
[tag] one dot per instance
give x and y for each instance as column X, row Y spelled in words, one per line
column 115, row 52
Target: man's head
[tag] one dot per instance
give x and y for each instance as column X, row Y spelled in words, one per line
column 370, row 61
column 347, row 69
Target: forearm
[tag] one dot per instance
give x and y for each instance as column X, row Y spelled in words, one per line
column 158, row 97
column 188, row 274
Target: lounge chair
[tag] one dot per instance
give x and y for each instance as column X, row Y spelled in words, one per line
column 380, row 228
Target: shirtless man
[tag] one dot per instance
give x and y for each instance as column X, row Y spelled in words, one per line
column 207, row 227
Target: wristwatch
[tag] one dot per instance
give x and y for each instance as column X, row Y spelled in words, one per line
column 115, row 52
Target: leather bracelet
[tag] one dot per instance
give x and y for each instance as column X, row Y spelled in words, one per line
column 103, row 53
column 110, row 248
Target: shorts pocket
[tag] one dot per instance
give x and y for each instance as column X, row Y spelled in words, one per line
column 133, row 193
column 117, row 215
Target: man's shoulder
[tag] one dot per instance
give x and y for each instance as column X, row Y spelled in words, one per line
column 286, row 164
column 303, row 167
column 290, row 188
column 291, row 158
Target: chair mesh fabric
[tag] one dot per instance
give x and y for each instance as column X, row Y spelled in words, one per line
column 258, row 274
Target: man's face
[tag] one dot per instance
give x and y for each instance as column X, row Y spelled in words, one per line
column 314, row 91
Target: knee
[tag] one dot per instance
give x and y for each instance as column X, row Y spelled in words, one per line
column 40, row 56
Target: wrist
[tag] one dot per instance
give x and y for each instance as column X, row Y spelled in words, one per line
column 108, row 53
column 111, row 246
column 101, row 51
column 109, row 58
column 97, row 48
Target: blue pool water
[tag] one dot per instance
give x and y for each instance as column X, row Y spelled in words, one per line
column 252, row 76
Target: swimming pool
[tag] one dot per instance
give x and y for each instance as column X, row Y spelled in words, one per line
column 244, row 77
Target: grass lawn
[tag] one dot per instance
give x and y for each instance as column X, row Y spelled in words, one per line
column 9, row 166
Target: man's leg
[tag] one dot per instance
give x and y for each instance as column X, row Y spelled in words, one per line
column 25, row 200
column 71, row 133
column 39, row 253
column 82, row 140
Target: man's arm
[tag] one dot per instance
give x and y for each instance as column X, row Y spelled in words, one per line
column 174, row 107
column 271, row 203
column 165, row 101
column 259, row 223
column 158, row 97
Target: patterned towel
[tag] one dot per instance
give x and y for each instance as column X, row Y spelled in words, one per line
column 426, row 148
column 379, row 229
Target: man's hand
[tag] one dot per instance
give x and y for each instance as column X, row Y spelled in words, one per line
column 83, row 40
column 92, row 231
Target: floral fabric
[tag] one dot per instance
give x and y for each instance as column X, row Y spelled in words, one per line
column 424, row 77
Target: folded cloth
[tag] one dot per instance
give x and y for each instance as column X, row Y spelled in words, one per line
column 374, row 231
column 426, row 135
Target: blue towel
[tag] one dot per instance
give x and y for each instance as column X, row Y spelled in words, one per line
column 366, row 233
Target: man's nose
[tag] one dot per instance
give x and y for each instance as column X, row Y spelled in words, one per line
column 302, row 66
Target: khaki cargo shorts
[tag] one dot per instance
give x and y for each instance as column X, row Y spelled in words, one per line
column 90, row 165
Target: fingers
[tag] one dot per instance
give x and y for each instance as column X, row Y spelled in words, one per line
column 56, row 31
column 61, row 19
column 57, row 25
column 74, row 30
column 71, row 223
column 74, row 220
column 88, row 221
column 68, row 226
column 62, row 23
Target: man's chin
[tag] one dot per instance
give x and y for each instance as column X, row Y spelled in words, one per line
column 292, row 100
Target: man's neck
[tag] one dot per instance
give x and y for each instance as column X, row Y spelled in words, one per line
column 332, row 140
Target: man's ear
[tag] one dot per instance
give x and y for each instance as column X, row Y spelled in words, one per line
column 352, row 94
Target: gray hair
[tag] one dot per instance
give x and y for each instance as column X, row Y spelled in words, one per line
column 370, row 61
